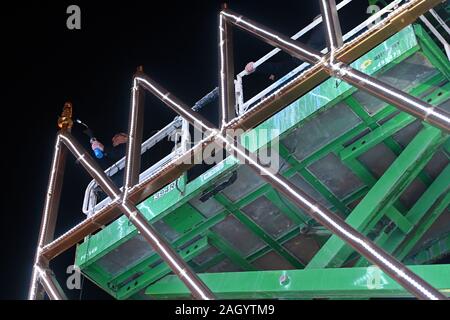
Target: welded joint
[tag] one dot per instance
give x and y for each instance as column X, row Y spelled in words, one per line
column 336, row 68
column 133, row 215
column 44, row 270
column 195, row 284
column 48, row 281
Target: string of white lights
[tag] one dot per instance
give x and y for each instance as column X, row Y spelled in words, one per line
column 324, row 217
column 131, row 139
column 43, row 230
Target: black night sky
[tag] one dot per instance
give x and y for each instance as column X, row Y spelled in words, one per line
column 46, row 64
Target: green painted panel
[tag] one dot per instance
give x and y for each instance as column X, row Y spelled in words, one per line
column 328, row 91
column 171, row 203
column 153, row 208
column 332, row 253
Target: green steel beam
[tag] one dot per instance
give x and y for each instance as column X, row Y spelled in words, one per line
column 335, row 251
column 312, row 180
column 446, row 148
column 342, row 283
column 431, row 203
column 384, row 133
column 410, row 177
column 143, row 266
column 376, row 136
column 160, row 270
column 434, row 251
column 358, row 194
column 438, row 96
column 432, row 51
column 224, row 247
column 194, row 188
column 266, row 190
column 248, row 199
column 98, row 276
column 286, row 207
column 371, row 122
column 211, row 263
column 361, row 171
column 258, row 231
column 153, row 208
column 284, row 238
column 358, row 109
column 252, row 256
column 441, row 205
column 399, row 219
column 332, row 146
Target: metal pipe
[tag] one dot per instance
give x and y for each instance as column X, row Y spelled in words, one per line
column 305, row 30
column 440, row 21
column 175, row 104
column 149, row 185
column 159, row 244
column 409, row 280
column 244, row 106
column 226, row 72
column 120, row 164
column 50, row 284
column 377, row 88
column 366, row 247
column 206, row 99
column 274, row 38
column 89, row 201
column 403, row 101
column 397, row 20
column 49, row 214
column 437, row 35
column 332, row 25
column 135, row 131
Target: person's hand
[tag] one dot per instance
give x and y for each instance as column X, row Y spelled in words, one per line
column 95, row 144
column 119, row 138
column 250, row 67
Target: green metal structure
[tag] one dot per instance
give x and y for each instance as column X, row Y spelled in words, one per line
column 385, row 172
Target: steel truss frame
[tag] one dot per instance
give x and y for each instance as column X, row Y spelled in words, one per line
column 324, row 66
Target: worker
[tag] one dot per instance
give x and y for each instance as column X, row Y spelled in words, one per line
column 111, row 155
column 114, row 154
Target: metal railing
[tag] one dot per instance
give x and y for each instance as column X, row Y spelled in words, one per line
column 90, row 204
column 243, row 106
column 134, row 190
column 435, row 32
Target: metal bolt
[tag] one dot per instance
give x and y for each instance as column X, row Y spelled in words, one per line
column 284, row 280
